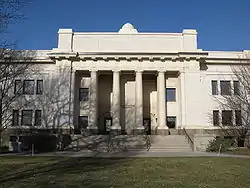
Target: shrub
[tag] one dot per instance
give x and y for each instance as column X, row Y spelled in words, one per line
column 4, row 149
column 224, row 143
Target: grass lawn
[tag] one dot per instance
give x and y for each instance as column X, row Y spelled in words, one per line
column 131, row 172
column 240, row 151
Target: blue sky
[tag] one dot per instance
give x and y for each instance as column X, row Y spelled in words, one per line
column 221, row 24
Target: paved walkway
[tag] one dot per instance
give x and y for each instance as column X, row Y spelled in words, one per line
column 133, row 154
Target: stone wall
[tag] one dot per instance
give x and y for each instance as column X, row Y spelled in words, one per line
column 201, row 141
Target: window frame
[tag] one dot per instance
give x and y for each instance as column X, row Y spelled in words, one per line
column 175, row 121
column 236, row 87
column 225, row 92
column 38, row 118
column 224, row 122
column 84, row 98
column 86, row 120
column 238, row 118
column 216, row 118
column 20, row 89
column 17, row 119
column 215, row 91
column 39, row 90
column 24, row 88
column 31, row 117
column 167, row 95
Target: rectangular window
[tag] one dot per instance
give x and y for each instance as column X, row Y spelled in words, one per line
column 214, row 87
column 18, row 87
column 83, row 122
column 38, row 118
column 227, row 117
column 238, row 118
column 236, row 88
column 26, row 117
column 84, row 94
column 216, row 117
column 39, row 87
column 171, row 121
column 28, row 87
column 225, row 87
column 15, row 117
column 171, row 94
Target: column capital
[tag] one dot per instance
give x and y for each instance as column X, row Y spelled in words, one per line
column 161, row 71
column 93, row 70
column 138, row 71
column 116, row 70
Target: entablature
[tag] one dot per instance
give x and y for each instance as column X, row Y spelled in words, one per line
column 118, row 56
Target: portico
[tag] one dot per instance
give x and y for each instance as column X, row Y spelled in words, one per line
column 123, row 102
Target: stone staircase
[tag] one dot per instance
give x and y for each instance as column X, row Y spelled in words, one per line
column 107, row 143
column 170, row 143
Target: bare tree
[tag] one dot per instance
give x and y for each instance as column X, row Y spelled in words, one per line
column 236, row 105
column 13, row 63
column 10, row 12
column 13, row 66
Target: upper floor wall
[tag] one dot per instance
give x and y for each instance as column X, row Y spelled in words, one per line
column 128, row 39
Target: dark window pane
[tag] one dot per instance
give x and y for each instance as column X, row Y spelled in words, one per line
column 107, row 124
column 225, row 87
column 39, row 87
column 171, row 121
column 227, row 117
column 13, row 138
column 171, row 94
column 84, row 94
column 216, row 117
column 27, row 117
column 238, row 118
column 214, row 87
column 38, row 114
column 15, row 117
column 236, row 87
column 28, row 87
column 18, row 87
column 83, row 122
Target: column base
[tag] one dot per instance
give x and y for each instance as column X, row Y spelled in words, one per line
column 138, row 131
column 115, row 131
column 92, row 130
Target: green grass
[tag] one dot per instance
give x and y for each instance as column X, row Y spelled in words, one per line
column 240, row 151
column 131, row 172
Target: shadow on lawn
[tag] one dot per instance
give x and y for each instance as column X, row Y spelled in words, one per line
column 59, row 168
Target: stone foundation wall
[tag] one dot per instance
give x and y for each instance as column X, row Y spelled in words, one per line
column 201, row 141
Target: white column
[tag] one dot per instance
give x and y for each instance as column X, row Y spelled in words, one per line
column 161, row 89
column 72, row 99
column 93, row 103
column 116, row 101
column 138, row 100
column 183, row 100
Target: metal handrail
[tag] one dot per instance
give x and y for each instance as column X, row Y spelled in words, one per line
column 190, row 141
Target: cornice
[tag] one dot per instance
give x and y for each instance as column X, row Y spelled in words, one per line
column 225, row 60
column 119, row 56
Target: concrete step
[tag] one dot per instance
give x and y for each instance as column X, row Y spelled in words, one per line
column 169, row 150
column 130, row 142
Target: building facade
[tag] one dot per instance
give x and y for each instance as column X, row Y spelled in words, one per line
column 127, row 81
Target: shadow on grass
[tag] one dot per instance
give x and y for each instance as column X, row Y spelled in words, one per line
column 56, row 167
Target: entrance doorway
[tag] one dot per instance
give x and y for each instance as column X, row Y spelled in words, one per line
column 147, row 125
column 107, row 124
